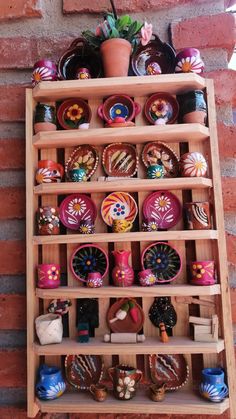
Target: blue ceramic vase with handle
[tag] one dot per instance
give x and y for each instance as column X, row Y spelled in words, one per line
column 51, row 384
column 213, row 386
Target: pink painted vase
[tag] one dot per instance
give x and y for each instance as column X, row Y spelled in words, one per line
column 48, row 275
column 122, row 273
column 202, row 272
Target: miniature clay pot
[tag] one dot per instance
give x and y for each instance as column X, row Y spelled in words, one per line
column 49, row 328
column 71, row 113
column 48, row 220
column 161, row 108
column 82, row 74
column 125, row 380
column 51, row 384
column 189, row 61
column 146, row 278
column 48, row 275
column 121, row 106
column 115, row 53
column 86, row 226
column 157, row 392
column 193, row 108
column 213, row 387
column 197, row 215
column 44, row 118
column 78, row 175
column 122, row 273
column 121, row 226
column 202, row 272
column 99, row 392
column 49, row 172
column 193, row 164
column 44, row 70
column 94, row 280
column 155, row 171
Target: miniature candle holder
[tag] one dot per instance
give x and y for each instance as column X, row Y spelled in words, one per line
column 197, row 215
column 48, row 221
column 48, row 275
column 202, row 272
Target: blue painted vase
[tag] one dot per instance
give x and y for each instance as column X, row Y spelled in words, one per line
column 155, row 171
column 213, row 386
column 51, row 384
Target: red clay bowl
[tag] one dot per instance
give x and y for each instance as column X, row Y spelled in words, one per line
column 161, row 106
column 73, row 112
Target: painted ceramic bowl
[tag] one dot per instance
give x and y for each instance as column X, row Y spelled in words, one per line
column 83, row 157
column 161, row 108
column 121, row 106
column 189, row 61
column 79, row 55
column 160, row 153
column 171, row 369
column 156, row 57
column 44, row 70
column 193, row 165
column 120, row 160
column 89, row 258
column 83, row 370
column 73, row 112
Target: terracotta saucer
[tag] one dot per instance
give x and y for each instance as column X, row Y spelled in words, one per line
column 161, row 107
column 85, row 156
column 120, row 159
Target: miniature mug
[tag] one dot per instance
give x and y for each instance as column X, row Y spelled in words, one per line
column 155, row 171
column 86, row 226
column 48, row 220
column 202, row 272
column 121, row 226
column 213, row 386
column 94, row 280
column 197, row 215
column 157, row 392
column 78, row 175
column 146, row 278
column 49, row 172
column 99, row 392
column 48, row 275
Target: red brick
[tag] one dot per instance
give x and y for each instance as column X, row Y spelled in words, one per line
column 101, row 6
column 217, row 31
column 12, row 154
column 13, row 368
column 229, row 193
column 226, row 138
column 12, row 104
column 225, row 85
column 233, row 303
column 11, row 9
column 231, row 248
column 12, row 257
column 12, row 203
column 12, row 309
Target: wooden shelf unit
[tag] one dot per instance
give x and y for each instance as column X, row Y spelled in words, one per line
column 208, row 244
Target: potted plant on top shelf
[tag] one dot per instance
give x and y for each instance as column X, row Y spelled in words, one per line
column 117, row 37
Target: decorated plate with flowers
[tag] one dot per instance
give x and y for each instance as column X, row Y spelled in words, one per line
column 161, row 108
column 171, row 369
column 88, row 258
column 159, row 153
column 120, row 159
column 164, row 208
column 73, row 112
column 85, row 156
column 77, row 207
column 163, row 260
column 84, row 370
column 118, row 206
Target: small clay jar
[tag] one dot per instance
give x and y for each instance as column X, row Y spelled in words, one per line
column 44, row 118
column 48, row 221
column 193, row 107
column 99, row 392
column 44, row 70
column 157, row 392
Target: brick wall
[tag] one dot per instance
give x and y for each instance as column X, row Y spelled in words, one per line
column 33, row 29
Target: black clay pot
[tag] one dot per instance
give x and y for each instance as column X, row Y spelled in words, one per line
column 44, row 118
column 193, row 107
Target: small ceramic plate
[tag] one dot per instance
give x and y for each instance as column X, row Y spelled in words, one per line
column 156, row 153
column 73, row 112
column 127, row 325
column 83, row 370
column 88, row 258
column 164, row 208
column 118, row 206
column 85, row 156
column 169, row 369
column 163, row 260
column 77, row 207
column 120, row 159
column 161, row 108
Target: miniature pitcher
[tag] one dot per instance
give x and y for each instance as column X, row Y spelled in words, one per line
column 213, row 386
column 50, row 384
column 122, row 273
column 125, row 380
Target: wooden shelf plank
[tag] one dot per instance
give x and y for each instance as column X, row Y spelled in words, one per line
column 134, row 135
column 179, row 402
column 95, row 88
column 127, row 237
column 134, row 291
column 96, row 346
column 125, row 185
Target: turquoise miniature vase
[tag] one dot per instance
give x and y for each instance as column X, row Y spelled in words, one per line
column 155, row 171
column 213, row 386
column 51, row 384
column 78, row 175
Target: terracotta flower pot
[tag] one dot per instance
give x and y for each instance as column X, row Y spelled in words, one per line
column 115, row 54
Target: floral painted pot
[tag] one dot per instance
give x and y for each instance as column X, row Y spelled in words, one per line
column 121, row 106
column 150, row 225
column 189, row 61
column 125, row 380
column 94, row 280
column 44, row 118
column 49, row 172
column 161, row 108
column 155, row 171
column 51, row 384
column 122, row 273
column 213, row 387
column 48, row 275
column 193, row 165
column 146, row 278
column 197, row 215
column 202, row 272
column 86, row 226
column 49, row 328
column 48, row 221
column 78, row 175
column 44, row 70
column 193, row 108
column 82, row 73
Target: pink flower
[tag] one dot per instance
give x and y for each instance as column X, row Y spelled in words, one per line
column 146, row 33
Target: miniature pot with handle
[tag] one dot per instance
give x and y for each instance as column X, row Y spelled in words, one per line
column 118, row 106
column 51, row 384
column 125, row 380
column 213, row 386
